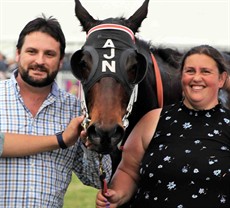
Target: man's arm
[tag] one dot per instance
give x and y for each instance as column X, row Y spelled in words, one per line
column 18, row 145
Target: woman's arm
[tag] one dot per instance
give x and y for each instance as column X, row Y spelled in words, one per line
column 17, row 145
column 125, row 180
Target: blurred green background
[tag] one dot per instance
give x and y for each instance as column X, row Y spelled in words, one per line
column 79, row 195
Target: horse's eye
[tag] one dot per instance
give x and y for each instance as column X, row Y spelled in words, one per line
column 84, row 69
column 82, row 65
column 132, row 73
column 131, row 68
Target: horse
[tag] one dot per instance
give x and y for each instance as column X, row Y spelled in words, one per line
column 122, row 76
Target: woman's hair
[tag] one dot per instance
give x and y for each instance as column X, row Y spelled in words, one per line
column 209, row 51
column 46, row 25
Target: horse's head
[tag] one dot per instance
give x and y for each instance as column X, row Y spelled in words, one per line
column 109, row 67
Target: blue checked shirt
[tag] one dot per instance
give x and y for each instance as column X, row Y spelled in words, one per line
column 41, row 180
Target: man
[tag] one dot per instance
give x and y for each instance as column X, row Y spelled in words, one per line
column 32, row 103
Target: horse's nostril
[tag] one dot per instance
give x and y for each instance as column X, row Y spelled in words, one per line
column 92, row 133
column 105, row 136
column 118, row 133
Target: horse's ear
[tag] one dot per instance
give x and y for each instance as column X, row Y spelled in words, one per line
column 136, row 19
column 86, row 20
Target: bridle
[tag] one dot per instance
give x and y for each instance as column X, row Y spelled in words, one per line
column 134, row 89
column 132, row 100
column 134, row 93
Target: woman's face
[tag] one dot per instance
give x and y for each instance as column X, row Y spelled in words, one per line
column 201, row 82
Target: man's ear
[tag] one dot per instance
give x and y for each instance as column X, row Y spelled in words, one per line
column 61, row 63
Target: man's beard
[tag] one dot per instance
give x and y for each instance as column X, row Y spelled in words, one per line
column 34, row 82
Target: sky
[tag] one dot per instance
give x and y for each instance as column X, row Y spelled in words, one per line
column 173, row 23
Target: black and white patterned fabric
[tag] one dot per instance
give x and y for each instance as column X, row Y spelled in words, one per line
column 187, row 163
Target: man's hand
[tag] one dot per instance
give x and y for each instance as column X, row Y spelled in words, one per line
column 73, row 131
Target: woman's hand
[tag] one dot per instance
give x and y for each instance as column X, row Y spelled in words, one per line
column 109, row 200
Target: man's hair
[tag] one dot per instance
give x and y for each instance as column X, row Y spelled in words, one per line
column 46, row 25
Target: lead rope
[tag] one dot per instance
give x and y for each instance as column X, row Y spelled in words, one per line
column 104, row 185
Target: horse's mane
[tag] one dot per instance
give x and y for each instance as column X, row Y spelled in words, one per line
column 168, row 55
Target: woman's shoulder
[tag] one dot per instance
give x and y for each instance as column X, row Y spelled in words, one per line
column 152, row 115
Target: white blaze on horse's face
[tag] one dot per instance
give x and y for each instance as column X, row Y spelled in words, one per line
column 105, row 63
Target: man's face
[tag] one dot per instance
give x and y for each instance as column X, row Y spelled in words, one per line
column 39, row 59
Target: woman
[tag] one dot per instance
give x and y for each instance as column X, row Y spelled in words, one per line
column 17, row 145
column 181, row 156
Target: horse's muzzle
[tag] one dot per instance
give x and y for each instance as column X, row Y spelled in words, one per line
column 104, row 141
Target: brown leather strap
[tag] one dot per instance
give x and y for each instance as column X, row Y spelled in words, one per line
column 158, row 82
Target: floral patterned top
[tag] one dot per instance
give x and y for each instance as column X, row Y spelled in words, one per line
column 187, row 163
